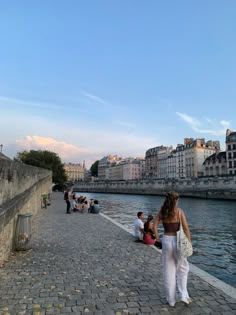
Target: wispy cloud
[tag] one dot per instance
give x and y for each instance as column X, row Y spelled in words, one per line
column 125, row 124
column 97, row 100
column 94, row 98
column 14, row 101
column 196, row 125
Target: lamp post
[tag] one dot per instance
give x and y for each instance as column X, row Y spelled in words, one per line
column 1, row 145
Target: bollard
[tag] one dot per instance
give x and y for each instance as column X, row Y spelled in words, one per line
column 23, row 232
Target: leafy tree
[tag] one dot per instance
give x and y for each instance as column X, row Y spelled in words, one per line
column 44, row 159
column 94, row 168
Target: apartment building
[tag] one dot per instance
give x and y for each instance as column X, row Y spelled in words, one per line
column 132, row 170
column 186, row 161
column 180, row 161
column 196, row 152
column 114, row 172
column 172, row 165
column 231, row 151
column 126, row 169
column 74, row 171
column 156, row 161
column 215, row 164
column 104, row 163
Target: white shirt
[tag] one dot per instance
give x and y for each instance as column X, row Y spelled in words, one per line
column 138, row 224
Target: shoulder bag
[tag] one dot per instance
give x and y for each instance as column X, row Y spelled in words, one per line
column 184, row 246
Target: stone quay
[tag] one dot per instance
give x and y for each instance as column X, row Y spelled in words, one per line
column 86, row 264
column 206, row 188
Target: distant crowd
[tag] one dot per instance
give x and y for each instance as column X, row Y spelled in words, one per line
column 80, row 204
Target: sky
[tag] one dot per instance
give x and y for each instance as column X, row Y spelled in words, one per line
column 86, row 79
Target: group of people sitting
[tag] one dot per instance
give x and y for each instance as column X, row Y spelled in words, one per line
column 80, row 204
column 144, row 232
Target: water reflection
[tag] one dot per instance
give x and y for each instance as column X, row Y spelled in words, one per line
column 212, row 224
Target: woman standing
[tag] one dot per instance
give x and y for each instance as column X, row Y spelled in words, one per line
column 175, row 270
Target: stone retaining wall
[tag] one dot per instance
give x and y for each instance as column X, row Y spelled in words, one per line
column 21, row 187
column 214, row 188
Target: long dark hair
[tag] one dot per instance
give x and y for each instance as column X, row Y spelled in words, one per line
column 146, row 224
column 168, row 207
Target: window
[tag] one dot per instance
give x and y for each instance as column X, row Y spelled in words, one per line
column 229, row 155
column 230, row 164
column 229, row 146
column 234, row 155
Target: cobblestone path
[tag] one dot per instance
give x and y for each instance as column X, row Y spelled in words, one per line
column 84, row 264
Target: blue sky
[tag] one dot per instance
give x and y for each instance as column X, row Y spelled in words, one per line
column 89, row 78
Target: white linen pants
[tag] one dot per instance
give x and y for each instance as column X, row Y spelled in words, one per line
column 175, row 271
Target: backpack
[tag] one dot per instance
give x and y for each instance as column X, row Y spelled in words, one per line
column 66, row 195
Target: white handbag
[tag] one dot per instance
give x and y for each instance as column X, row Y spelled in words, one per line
column 184, row 246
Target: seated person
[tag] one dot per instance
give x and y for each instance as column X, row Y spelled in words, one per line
column 96, row 208
column 138, row 227
column 91, row 204
column 149, row 236
column 85, row 206
column 74, row 205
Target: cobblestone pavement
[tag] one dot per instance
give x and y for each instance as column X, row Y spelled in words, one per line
column 84, row 264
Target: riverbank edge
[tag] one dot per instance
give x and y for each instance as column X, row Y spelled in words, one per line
column 213, row 281
column 207, row 188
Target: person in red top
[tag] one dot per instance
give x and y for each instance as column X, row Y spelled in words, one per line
column 149, row 236
column 175, row 270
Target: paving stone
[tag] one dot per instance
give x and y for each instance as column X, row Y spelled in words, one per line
column 84, row 264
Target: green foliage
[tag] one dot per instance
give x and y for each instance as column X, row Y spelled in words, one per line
column 94, row 168
column 44, row 159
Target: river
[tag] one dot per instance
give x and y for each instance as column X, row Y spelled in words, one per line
column 212, row 224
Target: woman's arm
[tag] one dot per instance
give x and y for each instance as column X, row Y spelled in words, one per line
column 185, row 225
column 155, row 226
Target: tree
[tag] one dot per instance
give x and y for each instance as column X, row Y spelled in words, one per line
column 45, row 159
column 94, row 168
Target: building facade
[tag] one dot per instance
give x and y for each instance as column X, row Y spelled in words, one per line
column 126, row 169
column 104, row 163
column 231, row 151
column 156, row 162
column 196, row 151
column 186, row 161
column 172, row 165
column 74, row 171
column 215, row 164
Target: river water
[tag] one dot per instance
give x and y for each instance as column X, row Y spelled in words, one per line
column 212, row 224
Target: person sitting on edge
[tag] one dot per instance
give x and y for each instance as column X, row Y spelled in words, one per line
column 85, row 206
column 96, row 207
column 149, row 237
column 139, row 227
column 91, row 204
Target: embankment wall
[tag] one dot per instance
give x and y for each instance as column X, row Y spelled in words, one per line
column 21, row 187
column 212, row 188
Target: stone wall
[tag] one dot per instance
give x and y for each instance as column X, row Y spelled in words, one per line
column 21, row 187
column 214, row 188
